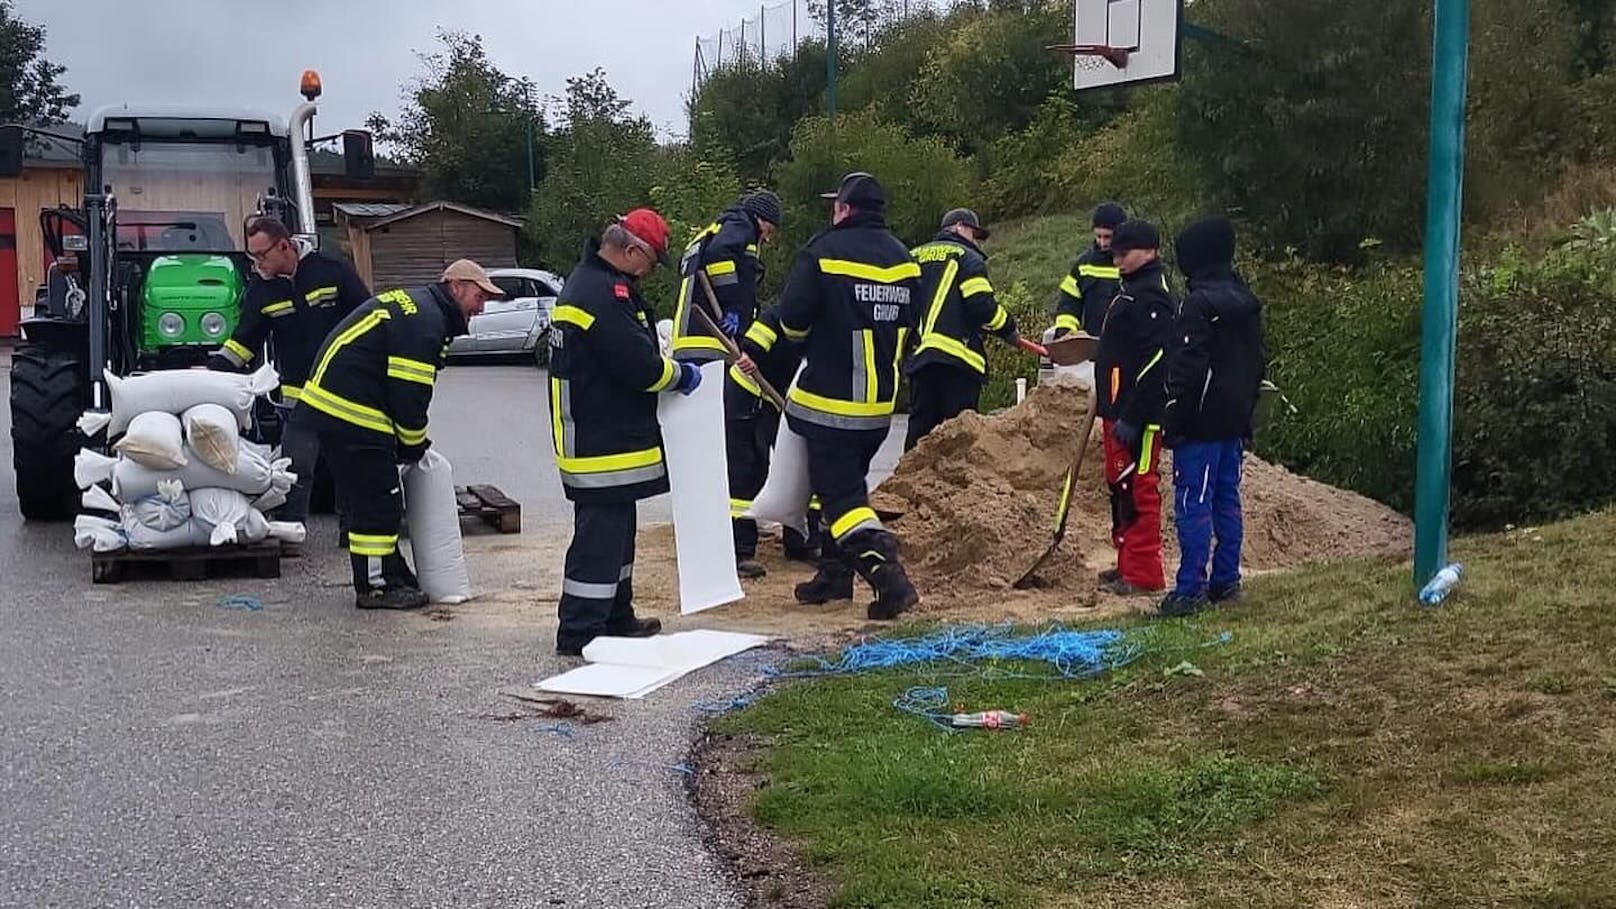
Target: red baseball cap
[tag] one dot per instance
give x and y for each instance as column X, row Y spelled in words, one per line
column 649, row 227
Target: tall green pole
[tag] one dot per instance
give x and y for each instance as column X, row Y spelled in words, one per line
column 830, row 56
column 1440, row 317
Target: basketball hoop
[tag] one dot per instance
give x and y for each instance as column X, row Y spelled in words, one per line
column 1116, row 56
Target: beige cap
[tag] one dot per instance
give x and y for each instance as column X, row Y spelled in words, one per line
column 467, row 270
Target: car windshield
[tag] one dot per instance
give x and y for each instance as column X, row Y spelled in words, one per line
column 185, row 196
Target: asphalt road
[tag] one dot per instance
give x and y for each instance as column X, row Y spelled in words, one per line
column 159, row 750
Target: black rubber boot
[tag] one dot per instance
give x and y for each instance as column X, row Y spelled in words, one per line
column 875, row 555
column 749, row 567
column 1178, row 606
column 390, row 598
column 797, row 547
column 1224, row 594
column 635, row 628
column 833, row 581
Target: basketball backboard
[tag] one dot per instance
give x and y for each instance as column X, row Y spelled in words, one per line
column 1125, row 42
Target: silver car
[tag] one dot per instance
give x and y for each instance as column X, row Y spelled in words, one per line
column 515, row 324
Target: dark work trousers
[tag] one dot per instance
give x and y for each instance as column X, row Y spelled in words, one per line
column 838, row 463
column 365, row 469
column 301, row 443
column 748, row 436
column 597, row 591
column 1206, row 502
column 939, row 393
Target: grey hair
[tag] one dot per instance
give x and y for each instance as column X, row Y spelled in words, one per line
column 618, row 237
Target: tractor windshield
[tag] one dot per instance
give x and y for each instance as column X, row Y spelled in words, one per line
column 185, row 196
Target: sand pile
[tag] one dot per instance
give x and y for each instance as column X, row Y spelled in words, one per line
column 977, row 499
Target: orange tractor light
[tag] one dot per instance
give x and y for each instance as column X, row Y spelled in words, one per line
column 310, row 85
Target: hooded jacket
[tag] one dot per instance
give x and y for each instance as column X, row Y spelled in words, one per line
column 727, row 251
column 1216, row 361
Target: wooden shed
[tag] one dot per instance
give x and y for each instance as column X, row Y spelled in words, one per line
column 403, row 246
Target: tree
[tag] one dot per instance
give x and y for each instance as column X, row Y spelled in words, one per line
column 467, row 125
column 29, row 92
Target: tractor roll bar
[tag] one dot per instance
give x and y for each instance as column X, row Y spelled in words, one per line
column 302, row 180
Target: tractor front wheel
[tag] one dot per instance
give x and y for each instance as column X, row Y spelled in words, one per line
column 49, row 391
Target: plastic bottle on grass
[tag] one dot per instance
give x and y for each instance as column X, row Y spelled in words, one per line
column 989, row 719
column 1440, row 586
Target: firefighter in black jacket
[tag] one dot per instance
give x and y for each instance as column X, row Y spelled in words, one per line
column 949, row 367
column 606, row 371
column 1088, row 289
column 1129, row 379
column 297, row 296
column 850, row 299
column 1215, row 371
column 367, row 398
column 726, row 251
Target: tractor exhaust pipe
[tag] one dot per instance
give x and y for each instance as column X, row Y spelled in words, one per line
column 302, row 179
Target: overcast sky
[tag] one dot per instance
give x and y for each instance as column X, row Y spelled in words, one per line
column 249, row 53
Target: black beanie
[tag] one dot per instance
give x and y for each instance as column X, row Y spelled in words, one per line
column 1135, row 234
column 1205, row 246
column 762, row 205
column 1109, row 215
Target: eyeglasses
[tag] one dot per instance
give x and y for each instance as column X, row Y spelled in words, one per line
column 263, row 254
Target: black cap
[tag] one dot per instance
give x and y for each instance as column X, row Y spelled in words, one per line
column 762, row 205
column 1135, row 234
column 1109, row 215
column 861, row 191
column 968, row 218
column 1204, row 246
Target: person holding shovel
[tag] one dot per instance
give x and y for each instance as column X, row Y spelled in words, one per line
column 1129, row 382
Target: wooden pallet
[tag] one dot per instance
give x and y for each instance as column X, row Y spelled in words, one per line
column 194, row 563
column 492, row 507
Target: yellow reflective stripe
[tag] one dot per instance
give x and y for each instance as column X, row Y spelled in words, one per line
column 412, row 436
column 897, row 359
column 847, row 522
column 239, row 350
column 738, row 507
column 762, row 335
column 411, row 370
column 556, row 429
column 274, row 309
column 345, row 410
column 670, row 371
column 794, row 334
column 1146, row 442
column 970, row 287
column 572, row 315
column 320, row 293
column 888, row 275
column 752, row 248
column 368, row 321
column 1000, row 316
column 840, row 408
column 1109, row 272
column 939, row 298
column 372, row 544
column 745, row 381
column 1151, row 365
column 954, row 348
column 697, row 342
column 724, row 267
column 872, row 381
column 1067, row 321
column 609, row 463
column 1069, row 287
column 292, row 392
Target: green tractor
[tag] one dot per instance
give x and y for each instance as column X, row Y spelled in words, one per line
column 149, row 273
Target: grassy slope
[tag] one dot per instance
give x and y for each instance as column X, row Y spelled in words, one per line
column 1345, row 748
column 1035, row 253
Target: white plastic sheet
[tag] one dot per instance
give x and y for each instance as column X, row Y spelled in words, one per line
column 434, row 519
column 693, row 443
column 635, row 667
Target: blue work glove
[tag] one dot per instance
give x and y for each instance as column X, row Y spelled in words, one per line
column 1126, row 434
column 689, row 378
column 731, row 323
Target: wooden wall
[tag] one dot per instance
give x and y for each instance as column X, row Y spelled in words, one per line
column 414, row 251
column 36, row 189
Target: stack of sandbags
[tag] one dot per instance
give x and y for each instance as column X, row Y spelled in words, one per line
column 183, row 475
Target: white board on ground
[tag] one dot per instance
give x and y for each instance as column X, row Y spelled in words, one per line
column 693, row 442
column 634, row 667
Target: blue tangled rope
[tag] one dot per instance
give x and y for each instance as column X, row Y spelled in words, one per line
column 241, row 601
column 1072, row 654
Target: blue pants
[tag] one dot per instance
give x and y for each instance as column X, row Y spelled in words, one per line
column 1206, row 501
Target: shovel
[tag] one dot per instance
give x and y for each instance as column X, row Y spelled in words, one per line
column 730, row 347
column 1063, row 510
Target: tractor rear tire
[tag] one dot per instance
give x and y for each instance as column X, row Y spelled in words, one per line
column 49, row 391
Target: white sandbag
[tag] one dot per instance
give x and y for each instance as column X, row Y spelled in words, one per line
column 97, row 498
column 703, row 543
column 99, row 534
column 227, row 516
column 191, row 533
column 166, row 510
column 213, row 436
column 92, row 467
column 434, row 520
column 288, row 531
column 156, row 440
column 270, row 501
column 175, row 391
column 254, row 476
column 785, row 494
